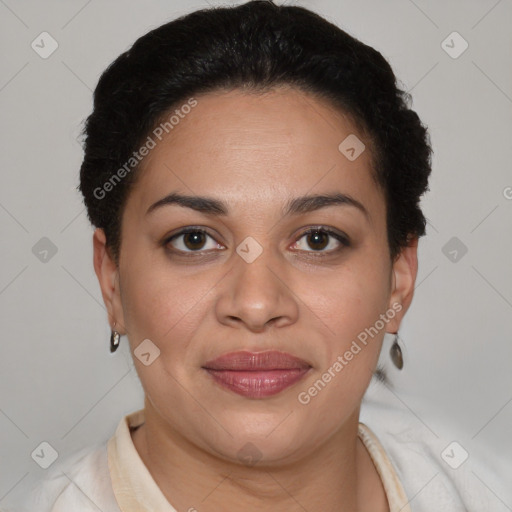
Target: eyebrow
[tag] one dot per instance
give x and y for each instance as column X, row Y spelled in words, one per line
column 298, row 205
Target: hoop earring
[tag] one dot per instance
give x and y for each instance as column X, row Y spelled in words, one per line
column 396, row 354
column 114, row 340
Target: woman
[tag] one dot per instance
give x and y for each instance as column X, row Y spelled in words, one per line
column 254, row 176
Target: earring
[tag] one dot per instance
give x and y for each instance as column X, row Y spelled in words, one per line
column 114, row 340
column 396, row 354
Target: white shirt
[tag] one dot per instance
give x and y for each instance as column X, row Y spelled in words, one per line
column 112, row 477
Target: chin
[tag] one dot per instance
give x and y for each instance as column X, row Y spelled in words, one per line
column 272, row 439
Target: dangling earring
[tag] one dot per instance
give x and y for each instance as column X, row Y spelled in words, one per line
column 396, row 354
column 114, row 340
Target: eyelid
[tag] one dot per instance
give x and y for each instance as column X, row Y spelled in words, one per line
column 335, row 233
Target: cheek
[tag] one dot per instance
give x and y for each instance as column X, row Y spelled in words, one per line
column 162, row 305
column 349, row 354
column 352, row 298
column 165, row 309
column 349, row 305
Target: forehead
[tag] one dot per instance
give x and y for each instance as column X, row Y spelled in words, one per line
column 264, row 146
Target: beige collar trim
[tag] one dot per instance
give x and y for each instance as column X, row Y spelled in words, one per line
column 397, row 499
column 133, row 485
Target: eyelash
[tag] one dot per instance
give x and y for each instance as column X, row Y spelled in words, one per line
column 341, row 238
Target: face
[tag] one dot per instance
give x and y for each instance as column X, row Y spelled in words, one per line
column 249, row 277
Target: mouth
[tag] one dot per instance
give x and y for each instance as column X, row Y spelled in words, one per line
column 257, row 374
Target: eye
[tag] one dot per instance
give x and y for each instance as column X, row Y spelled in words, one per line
column 319, row 239
column 195, row 240
column 192, row 240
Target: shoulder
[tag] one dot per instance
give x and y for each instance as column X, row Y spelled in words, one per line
column 437, row 472
column 81, row 481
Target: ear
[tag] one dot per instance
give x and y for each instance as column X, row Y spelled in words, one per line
column 404, row 271
column 107, row 273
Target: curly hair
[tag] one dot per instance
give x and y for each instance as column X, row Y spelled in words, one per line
column 255, row 46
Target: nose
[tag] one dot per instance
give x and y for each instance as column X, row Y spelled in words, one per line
column 257, row 295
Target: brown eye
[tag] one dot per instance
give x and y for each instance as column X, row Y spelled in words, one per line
column 191, row 240
column 318, row 239
column 194, row 240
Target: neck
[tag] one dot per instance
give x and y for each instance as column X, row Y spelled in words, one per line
column 338, row 476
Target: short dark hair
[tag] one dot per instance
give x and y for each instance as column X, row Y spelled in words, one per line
column 255, row 46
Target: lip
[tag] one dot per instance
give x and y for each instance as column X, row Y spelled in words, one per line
column 254, row 361
column 257, row 374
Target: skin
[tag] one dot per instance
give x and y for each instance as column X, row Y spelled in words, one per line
column 255, row 152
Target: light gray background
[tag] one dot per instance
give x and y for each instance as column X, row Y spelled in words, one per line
column 58, row 381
